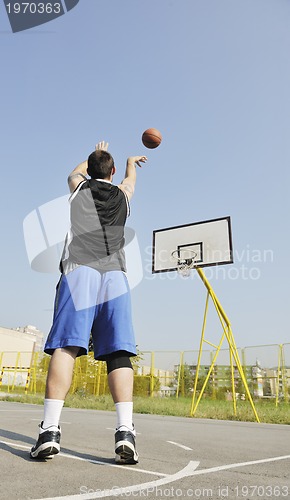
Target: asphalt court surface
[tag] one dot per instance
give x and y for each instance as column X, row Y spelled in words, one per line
column 179, row 458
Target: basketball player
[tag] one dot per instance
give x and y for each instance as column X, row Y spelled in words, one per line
column 93, row 296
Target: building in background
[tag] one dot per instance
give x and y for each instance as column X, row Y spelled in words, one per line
column 25, row 338
column 17, row 346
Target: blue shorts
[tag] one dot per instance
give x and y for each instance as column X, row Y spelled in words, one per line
column 86, row 302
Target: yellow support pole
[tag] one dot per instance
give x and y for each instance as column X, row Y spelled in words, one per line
column 233, row 384
column 100, row 377
column 97, row 383
column 105, row 378
column 213, row 378
column 181, row 367
column 234, row 351
column 278, row 375
column 152, row 374
column 15, row 370
column 192, row 410
column 33, row 368
column 230, row 338
column 182, row 379
column 284, row 381
column 226, row 328
column 241, row 371
column 27, row 380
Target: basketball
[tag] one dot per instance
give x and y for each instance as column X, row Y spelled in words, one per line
column 151, row 138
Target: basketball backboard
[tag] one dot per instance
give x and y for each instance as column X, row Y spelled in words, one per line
column 210, row 242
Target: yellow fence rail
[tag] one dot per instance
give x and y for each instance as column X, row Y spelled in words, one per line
column 164, row 373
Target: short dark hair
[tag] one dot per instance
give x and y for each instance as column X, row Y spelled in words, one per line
column 100, row 164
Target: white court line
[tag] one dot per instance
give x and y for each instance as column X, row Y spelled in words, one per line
column 150, row 486
column 92, row 461
column 189, row 470
column 180, row 445
column 239, row 464
column 15, row 445
column 22, row 411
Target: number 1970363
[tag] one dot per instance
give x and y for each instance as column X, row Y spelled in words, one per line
column 34, row 8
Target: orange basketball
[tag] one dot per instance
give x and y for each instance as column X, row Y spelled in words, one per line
column 151, row 138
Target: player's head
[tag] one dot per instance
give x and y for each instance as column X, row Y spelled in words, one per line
column 100, row 165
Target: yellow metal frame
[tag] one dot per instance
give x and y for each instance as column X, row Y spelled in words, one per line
column 180, row 375
column 281, row 374
column 280, row 357
column 14, row 370
column 234, row 355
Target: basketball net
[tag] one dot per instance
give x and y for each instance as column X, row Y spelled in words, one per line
column 185, row 261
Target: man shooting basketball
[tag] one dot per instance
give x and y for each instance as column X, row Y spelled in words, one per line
column 93, row 297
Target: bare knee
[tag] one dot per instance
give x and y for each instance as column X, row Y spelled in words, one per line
column 69, row 350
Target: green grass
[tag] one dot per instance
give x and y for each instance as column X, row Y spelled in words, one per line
column 211, row 409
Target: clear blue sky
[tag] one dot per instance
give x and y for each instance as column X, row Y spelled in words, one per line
column 214, row 78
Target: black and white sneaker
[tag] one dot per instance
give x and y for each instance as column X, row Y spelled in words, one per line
column 48, row 443
column 125, row 447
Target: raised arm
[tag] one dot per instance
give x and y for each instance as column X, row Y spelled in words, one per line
column 77, row 175
column 128, row 183
column 80, row 172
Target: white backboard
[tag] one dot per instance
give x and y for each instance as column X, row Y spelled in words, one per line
column 210, row 240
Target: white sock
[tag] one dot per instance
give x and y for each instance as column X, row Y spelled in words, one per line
column 52, row 411
column 124, row 416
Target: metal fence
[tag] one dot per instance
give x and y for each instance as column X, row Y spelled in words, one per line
column 162, row 373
